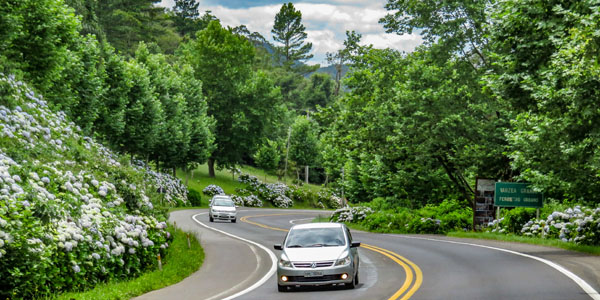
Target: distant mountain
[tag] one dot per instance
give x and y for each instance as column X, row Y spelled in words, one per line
column 331, row 70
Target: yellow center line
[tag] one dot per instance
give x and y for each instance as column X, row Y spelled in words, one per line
column 407, row 270
column 402, row 261
column 418, row 272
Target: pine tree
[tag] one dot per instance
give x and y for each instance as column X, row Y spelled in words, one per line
column 289, row 31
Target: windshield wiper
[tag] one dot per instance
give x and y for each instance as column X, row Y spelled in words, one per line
column 331, row 245
column 295, row 246
column 316, row 245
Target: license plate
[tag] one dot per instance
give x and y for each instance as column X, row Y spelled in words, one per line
column 313, row 274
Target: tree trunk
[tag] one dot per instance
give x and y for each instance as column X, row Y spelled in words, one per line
column 306, row 174
column 326, row 179
column 187, row 175
column 174, row 172
column 211, row 167
column 157, row 165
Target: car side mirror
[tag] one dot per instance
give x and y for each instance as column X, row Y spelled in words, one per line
column 278, row 247
column 355, row 245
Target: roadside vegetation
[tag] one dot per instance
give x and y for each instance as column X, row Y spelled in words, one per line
column 179, row 263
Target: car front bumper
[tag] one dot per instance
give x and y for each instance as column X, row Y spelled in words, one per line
column 330, row 275
column 223, row 215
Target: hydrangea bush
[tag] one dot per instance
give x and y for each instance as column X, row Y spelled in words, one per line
column 253, row 201
column 351, row 214
column 72, row 213
column 281, row 195
column 172, row 189
column 576, row 224
column 212, row 190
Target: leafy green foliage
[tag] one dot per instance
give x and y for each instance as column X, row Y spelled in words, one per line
column 546, row 55
column 304, row 142
column 267, row 156
column 243, row 103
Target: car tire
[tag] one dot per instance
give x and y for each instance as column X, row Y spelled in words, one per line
column 210, row 218
column 354, row 282
column 282, row 288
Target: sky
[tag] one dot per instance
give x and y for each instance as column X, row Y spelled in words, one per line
column 326, row 22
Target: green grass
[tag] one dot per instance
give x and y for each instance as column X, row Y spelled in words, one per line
column 178, row 264
column 595, row 250
column 229, row 183
column 321, row 218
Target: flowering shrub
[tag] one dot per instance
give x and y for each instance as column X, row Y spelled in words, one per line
column 281, row 195
column 252, row 200
column 282, row 201
column 351, row 214
column 575, row 224
column 212, row 190
column 71, row 212
column 172, row 188
column 239, row 201
column 578, row 224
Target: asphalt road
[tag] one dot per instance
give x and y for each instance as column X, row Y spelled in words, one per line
column 239, row 265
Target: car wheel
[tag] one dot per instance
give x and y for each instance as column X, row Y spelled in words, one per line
column 282, row 288
column 354, row 282
column 210, row 218
column 233, row 221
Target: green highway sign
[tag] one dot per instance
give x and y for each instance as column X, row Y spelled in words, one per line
column 516, row 194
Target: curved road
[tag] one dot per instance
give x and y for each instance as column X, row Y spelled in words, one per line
column 240, row 260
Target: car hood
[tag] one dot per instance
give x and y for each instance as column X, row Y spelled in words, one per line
column 223, row 208
column 314, row 253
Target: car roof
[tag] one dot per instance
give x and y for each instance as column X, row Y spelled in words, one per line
column 316, row 225
column 221, row 196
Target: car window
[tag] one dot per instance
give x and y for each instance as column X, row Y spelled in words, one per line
column 223, row 202
column 315, row 237
column 349, row 234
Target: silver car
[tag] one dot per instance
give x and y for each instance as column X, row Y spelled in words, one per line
column 318, row 254
column 222, row 208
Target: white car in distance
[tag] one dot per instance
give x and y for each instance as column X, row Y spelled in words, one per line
column 222, row 207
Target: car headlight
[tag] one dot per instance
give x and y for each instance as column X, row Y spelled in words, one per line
column 284, row 261
column 343, row 260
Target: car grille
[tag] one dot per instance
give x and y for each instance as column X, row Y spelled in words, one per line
column 318, row 264
column 313, row 279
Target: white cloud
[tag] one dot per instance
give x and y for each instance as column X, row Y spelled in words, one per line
column 326, row 23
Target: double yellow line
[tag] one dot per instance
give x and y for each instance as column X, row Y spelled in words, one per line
column 414, row 276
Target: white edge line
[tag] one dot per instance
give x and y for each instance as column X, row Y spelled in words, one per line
column 588, row 289
column 293, row 221
column 264, row 278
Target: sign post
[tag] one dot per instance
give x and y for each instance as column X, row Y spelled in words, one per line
column 517, row 194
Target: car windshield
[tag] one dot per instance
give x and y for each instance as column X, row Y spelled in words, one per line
column 223, row 202
column 315, row 237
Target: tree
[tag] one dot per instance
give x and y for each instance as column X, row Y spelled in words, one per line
column 457, row 26
column 126, row 23
column 343, row 56
column 35, row 37
column 289, row 31
column 547, row 73
column 267, row 156
column 241, row 102
column 318, row 92
column 186, row 15
column 304, row 143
